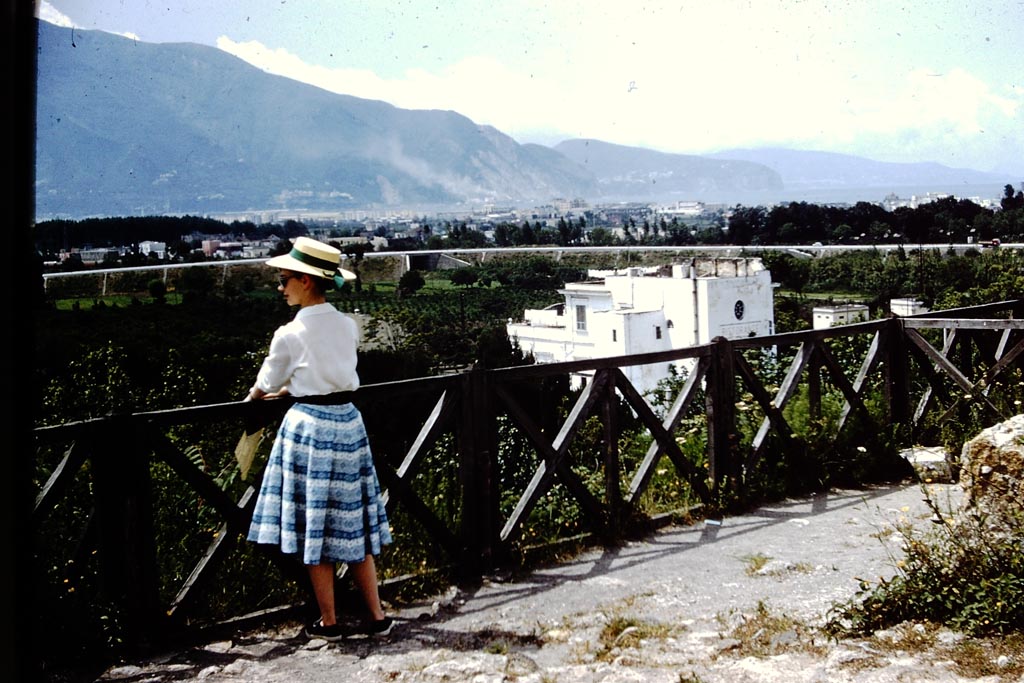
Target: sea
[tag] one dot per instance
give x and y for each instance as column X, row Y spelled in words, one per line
column 982, row 194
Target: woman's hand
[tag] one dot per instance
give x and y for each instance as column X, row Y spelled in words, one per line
column 256, row 394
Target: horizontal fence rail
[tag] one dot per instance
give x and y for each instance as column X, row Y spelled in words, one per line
column 801, row 406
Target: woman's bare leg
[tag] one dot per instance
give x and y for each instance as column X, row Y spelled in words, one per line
column 322, row 578
column 364, row 574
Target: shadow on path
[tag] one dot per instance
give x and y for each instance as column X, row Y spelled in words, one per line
column 496, row 615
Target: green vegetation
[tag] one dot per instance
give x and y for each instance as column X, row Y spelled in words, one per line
column 198, row 339
column 766, row 633
column 944, row 221
column 940, row 280
column 622, row 631
column 755, row 563
column 966, row 572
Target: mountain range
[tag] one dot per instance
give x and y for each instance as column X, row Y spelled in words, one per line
column 131, row 128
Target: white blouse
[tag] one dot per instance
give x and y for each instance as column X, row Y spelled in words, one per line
column 314, row 354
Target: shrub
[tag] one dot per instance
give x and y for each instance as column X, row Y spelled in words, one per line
column 966, row 572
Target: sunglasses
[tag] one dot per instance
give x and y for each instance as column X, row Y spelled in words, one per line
column 283, row 280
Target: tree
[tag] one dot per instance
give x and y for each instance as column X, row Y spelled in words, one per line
column 157, row 290
column 564, row 236
column 601, row 237
column 527, row 235
column 577, row 230
column 745, row 223
column 293, row 228
column 1011, row 200
column 410, row 283
column 354, row 254
column 465, row 277
column 789, row 271
column 282, row 247
column 179, row 249
column 506, row 234
column 196, row 283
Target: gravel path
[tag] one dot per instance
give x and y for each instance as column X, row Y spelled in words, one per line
column 675, row 600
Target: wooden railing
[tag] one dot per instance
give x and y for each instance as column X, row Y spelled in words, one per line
column 905, row 378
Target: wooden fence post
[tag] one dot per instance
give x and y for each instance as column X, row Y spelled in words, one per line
column 127, row 546
column 897, row 384
column 612, row 469
column 814, row 387
column 724, row 467
column 478, row 476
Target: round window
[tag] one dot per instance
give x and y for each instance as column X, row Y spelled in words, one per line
column 738, row 310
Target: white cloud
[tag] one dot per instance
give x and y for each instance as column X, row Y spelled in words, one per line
column 49, row 13
column 481, row 88
column 672, row 104
column 281, row 62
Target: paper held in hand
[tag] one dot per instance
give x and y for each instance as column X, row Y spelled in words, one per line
column 245, row 451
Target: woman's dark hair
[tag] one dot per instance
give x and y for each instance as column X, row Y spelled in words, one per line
column 322, row 285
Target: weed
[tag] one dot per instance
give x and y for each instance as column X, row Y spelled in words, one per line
column 755, row 562
column 998, row 657
column 628, row 632
column 497, row 647
column 977, row 657
column 765, row 633
column 905, row 637
column 965, row 572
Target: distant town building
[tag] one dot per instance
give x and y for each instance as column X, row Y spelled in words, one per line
column 256, row 250
column 157, row 248
column 229, row 250
column 358, row 240
column 89, row 257
column 643, row 310
column 210, row 247
column 682, row 209
column 839, row 314
column 622, row 214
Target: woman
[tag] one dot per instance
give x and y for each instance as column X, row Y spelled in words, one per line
column 320, row 497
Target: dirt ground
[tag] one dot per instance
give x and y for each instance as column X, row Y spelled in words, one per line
column 733, row 601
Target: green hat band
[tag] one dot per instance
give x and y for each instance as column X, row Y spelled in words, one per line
column 322, row 264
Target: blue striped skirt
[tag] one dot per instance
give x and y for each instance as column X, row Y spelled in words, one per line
column 320, row 496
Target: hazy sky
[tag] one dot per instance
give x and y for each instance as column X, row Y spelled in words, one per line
column 910, row 80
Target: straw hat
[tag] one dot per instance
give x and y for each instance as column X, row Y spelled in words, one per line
column 314, row 258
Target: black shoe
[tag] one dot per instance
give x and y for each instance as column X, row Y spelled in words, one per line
column 377, row 628
column 332, row 633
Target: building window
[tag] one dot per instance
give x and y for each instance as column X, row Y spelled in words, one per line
column 657, row 331
column 581, row 318
column 615, row 335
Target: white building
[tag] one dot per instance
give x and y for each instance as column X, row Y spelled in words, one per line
column 906, row 307
column 839, row 314
column 684, row 209
column 149, row 247
column 643, row 310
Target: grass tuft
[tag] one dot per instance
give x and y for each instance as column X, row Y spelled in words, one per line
column 766, row 633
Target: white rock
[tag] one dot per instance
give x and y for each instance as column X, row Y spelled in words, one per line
column 219, row 646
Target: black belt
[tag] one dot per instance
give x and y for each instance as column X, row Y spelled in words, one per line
column 337, row 399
